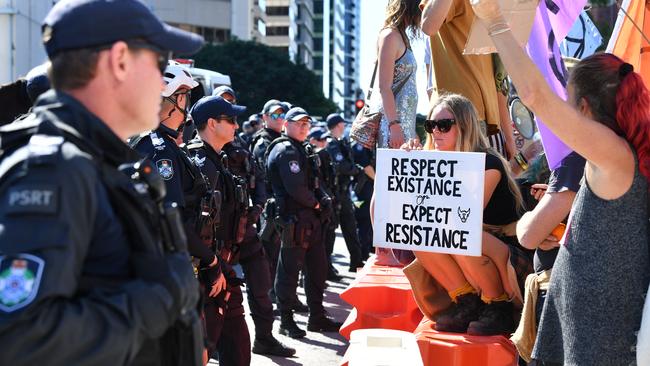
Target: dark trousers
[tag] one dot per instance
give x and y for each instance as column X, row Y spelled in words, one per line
column 364, row 224
column 258, row 287
column 349, row 226
column 329, row 237
column 272, row 250
column 311, row 259
column 227, row 330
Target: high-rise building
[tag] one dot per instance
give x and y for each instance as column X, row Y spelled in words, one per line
column 290, row 28
column 249, row 20
column 211, row 19
column 301, row 32
column 336, row 26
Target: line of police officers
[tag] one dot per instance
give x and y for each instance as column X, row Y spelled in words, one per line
column 106, row 279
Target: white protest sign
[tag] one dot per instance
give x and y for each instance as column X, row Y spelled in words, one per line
column 429, row 201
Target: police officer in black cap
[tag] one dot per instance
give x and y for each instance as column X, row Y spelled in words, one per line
column 273, row 115
column 252, row 257
column 363, row 187
column 216, row 122
column 302, row 206
column 184, row 182
column 318, row 138
column 87, row 275
column 346, row 169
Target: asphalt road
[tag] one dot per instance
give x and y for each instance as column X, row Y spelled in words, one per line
column 315, row 348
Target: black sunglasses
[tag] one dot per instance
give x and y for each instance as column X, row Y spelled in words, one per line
column 444, row 125
column 229, row 119
column 135, row 44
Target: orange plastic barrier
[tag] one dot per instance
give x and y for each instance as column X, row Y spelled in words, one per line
column 382, row 298
column 453, row 349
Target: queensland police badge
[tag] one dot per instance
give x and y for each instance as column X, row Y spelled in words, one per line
column 20, row 277
column 165, row 168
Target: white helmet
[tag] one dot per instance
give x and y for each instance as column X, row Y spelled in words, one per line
column 176, row 76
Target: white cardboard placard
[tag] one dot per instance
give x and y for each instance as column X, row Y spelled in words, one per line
column 429, row 201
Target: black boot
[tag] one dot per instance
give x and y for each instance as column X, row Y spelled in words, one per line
column 289, row 328
column 496, row 318
column 268, row 345
column 299, row 307
column 323, row 324
column 456, row 319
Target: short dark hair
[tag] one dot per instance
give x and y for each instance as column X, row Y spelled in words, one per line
column 73, row 69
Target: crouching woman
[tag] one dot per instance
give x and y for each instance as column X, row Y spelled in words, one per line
column 463, row 293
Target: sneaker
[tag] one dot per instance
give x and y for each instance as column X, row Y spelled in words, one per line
column 272, row 347
column 323, row 324
column 496, row 318
column 456, row 319
column 299, row 307
column 289, row 328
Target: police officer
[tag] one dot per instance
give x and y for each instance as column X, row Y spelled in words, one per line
column 302, row 204
column 318, row 138
column 252, row 257
column 184, row 182
column 216, row 122
column 273, row 115
column 339, row 150
column 79, row 239
column 363, row 187
column 246, row 135
column 226, row 93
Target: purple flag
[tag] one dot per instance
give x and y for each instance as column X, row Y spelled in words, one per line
column 553, row 21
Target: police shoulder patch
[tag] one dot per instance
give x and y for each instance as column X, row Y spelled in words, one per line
column 20, row 277
column 339, row 157
column 294, row 167
column 165, row 168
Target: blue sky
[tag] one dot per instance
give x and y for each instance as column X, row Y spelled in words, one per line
column 372, row 19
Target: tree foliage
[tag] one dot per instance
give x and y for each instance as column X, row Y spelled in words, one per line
column 259, row 73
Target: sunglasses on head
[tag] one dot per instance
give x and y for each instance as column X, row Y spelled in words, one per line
column 443, row 125
column 278, row 115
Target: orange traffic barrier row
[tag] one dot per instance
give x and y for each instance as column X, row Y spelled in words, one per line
column 382, row 298
column 454, row 349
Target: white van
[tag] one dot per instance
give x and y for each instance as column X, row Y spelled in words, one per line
column 208, row 80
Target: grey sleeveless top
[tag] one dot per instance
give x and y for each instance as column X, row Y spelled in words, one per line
column 598, row 283
column 406, row 101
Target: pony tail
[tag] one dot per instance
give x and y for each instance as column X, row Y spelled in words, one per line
column 633, row 117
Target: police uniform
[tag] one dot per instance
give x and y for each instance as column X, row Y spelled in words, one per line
column 363, row 188
column 78, row 238
column 271, row 242
column 345, row 167
column 328, row 182
column 297, row 194
column 252, row 257
column 184, row 182
column 229, row 331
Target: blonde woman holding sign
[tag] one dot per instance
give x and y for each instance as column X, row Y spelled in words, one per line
column 478, row 286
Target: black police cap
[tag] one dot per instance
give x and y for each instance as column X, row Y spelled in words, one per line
column 76, row 24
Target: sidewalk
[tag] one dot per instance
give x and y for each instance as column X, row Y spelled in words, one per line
column 316, row 348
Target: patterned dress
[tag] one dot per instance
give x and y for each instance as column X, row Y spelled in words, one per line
column 406, row 101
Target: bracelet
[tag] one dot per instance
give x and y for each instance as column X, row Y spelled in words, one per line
column 394, row 122
column 498, row 28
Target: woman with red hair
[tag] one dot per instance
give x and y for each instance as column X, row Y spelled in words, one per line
column 595, row 301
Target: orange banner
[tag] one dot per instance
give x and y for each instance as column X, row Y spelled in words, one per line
column 627, row 41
